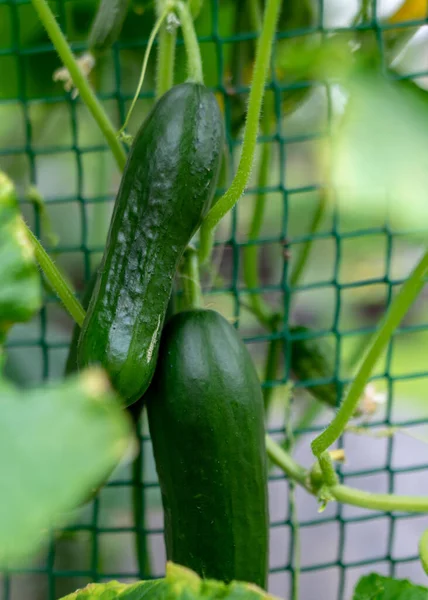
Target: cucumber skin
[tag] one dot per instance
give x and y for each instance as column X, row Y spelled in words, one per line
column 206, row 419
column 167, row 188
column 107, row 25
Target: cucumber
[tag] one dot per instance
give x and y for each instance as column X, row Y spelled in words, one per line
column 206, row 419
column 107, row 25
column 314, row 359
column 167, row 188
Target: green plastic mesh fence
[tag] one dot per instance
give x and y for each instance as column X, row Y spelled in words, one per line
column 47, row 138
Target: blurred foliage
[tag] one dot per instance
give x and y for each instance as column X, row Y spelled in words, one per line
column 47, row 473
column 376, row 587
column 179, row 584
column 20, row 291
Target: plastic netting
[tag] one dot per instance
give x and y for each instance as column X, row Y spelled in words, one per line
column 353, row 269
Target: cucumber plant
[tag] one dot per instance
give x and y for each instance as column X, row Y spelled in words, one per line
column 205, row 387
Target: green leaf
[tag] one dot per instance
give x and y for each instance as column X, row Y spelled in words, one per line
column 20, row 290
column 379, row 160
column 56, row 443
column 376, row 587
column 179, row 584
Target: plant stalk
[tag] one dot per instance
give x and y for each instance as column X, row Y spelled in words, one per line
column 399, row 307
column 56, row 281
column 79, row 80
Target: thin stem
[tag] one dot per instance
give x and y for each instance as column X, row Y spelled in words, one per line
column 207, row 235
column 287, row 464
column 271, row 367
column 383, row 502
column 194, row 60
column 399, row 307
column 252, row 252
column 153, row 34
column 294, row 516
column 139, row 510
column 190, row 279
column 343, row 493
column 261, row 65
column 423, row 550
column 166, row 60
column 79, row 80
column 57, row 281
column 302, row 260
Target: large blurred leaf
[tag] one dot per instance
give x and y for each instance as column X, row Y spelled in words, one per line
column 379, row 151
column 179, row 584
column 56, row 444
column 20, row 290
column 376, row 587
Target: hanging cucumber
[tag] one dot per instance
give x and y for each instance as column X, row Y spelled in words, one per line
column 206, row 419
column 167, row 188
column 313, row 359
column 107, row 25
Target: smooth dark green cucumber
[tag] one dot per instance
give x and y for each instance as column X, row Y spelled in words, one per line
column 167, row 188
column 206, row 419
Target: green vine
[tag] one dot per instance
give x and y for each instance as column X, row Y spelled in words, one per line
column 194, row 60
column 343, row 493
column 166, row 57
column 159, row 22
column 57, row 281
column 261, row 65
column 399, row 307
column 251, row 252
column 79, row 80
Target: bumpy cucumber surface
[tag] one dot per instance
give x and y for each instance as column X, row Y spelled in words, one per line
column 206, row 419
column 107, row 24
column 167, row 188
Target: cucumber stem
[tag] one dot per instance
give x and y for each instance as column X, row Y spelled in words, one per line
column 79, row 80
column 397, row 310
column 57, row 281
column 190, row 279
column 194, row 60
column 166, row 58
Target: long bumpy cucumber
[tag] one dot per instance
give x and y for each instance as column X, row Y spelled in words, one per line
column 167, row 188
column 107, row 25
column 206, row 419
